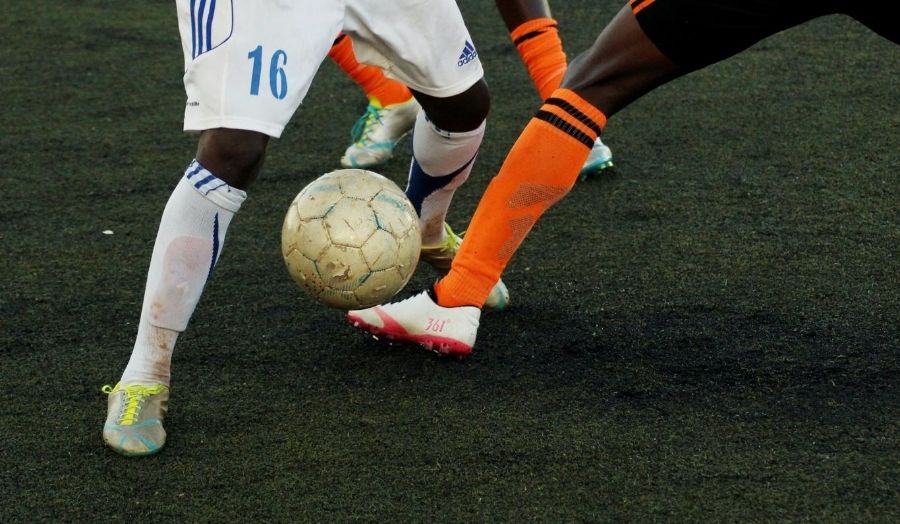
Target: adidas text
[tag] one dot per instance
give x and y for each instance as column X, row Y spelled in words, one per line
column 468, row 54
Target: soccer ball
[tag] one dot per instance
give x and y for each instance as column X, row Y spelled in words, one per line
column 351, row 239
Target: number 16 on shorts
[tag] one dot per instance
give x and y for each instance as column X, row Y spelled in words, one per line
column 277, row 78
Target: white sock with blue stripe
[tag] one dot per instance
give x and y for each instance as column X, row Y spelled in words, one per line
column 442, row 161
column 188, row 245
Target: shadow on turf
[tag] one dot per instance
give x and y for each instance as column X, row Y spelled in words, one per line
column 723, row 359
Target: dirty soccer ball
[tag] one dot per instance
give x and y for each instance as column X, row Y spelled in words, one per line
column 351, row 239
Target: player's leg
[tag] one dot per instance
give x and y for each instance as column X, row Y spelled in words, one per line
column 544, row 162
column 448, row 135
column 370, row 79
column 235, row 109
column 444, row 149
column 623, row 64
column 540, row 169
column 647, row 44
column 534, row 32
column 427, row 46
column 389, row 116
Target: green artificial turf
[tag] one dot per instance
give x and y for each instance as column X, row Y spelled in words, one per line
column 707, row 334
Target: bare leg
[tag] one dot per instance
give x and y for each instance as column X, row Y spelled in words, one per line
column 621, row 66
column 459, row 113
column 235, row 156
column 517, row 12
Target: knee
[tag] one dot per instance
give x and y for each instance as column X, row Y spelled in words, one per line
column 233, row 155
column 622, row 65
column 594, row 80
column 463, row 112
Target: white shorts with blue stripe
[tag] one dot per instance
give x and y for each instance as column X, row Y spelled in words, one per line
column 250, row 63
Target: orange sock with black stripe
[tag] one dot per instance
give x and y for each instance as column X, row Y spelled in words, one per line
column 540, row 170
column 538, row 43
column 370, row 78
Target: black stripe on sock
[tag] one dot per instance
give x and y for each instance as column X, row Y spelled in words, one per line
column 578, row 115
column 566, row 127
column 532, row 34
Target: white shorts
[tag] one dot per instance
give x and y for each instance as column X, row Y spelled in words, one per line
column 249, row 63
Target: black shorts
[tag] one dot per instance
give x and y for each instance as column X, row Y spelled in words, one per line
column 696, row 33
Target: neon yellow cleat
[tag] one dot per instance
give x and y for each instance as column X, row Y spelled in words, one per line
column 441, row 255
column 134, row 417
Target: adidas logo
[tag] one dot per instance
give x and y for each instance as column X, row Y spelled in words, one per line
column 468, row 54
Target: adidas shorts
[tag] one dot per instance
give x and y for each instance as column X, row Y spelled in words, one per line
column 250, row 63
column 696, row 33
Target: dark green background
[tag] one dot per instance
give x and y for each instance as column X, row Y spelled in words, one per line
column 708, row 334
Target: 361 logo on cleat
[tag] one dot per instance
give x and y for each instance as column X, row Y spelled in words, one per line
column 436, row 326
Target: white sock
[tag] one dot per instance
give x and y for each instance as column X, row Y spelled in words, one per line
column 441, row 162
column 188, row 244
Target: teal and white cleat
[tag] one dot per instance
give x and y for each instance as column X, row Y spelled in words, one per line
column 420, row 320
column 377, row 133
column 440, row 256
column 600, row 159
column 134, row 417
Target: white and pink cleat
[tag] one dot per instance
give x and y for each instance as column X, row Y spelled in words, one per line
column 420, row 320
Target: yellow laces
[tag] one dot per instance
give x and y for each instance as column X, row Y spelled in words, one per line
column 452, row 241
column 135, row 395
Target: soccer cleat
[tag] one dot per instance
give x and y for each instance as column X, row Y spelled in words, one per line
column 420, row 320
column 599, row 159
column 377, row 132
column 134, row 418
column 440, row 256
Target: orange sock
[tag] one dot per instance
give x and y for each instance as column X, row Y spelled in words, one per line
column 541, row 49
column 540, row 169
column 370, row 78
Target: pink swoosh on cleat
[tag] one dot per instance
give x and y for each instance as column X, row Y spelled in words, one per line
column 393, row 330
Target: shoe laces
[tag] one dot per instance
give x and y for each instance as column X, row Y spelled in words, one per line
column 451, row 241
column 365, row 125
column 135, row 396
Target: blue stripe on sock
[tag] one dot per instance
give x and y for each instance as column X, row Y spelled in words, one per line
column 210, row 190
column 421, row 184
column 196, row 170
column 205, row 180
column 215, row 250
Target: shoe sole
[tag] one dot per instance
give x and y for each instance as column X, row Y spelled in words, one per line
column 439, row 263
column 152, row 448
column 596, row 168
column 440, row 345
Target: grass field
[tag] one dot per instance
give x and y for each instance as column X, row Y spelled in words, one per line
column 708, row 334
